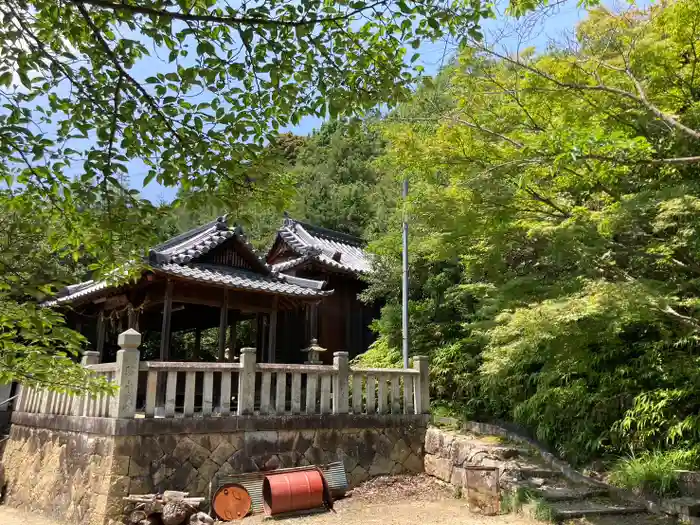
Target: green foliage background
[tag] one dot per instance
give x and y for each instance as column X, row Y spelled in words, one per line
column 554, row 240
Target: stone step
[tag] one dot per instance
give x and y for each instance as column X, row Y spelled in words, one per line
column 686, row 507
column 557, row 494
column 535, row 472
column 629, row 519
column 566, row 510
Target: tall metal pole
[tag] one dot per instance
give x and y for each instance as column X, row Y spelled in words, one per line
column 404, row 296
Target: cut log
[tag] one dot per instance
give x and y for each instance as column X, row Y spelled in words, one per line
column 201, row 518
column 140, row 498
column 176, row 512
column 174, row 495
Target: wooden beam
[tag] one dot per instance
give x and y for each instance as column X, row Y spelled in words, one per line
column 165, row 327
column 272, row 337
column 223, row 324
column 100, row 343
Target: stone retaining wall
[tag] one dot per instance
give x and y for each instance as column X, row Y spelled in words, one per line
column 65, row 475
column 79, row 468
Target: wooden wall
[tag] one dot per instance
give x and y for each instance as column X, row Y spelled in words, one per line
column 343, row 320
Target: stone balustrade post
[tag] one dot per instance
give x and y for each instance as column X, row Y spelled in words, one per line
column 123, row 404
column 90, row 357
column 340, row 382
column 421, row 401
column 246, row 382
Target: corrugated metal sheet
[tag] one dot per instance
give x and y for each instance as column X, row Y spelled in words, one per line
column 336, row 478
column 253, row 481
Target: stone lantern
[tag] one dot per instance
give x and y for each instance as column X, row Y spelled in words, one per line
column 314, row 353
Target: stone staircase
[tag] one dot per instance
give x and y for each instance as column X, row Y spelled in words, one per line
column 528, row 484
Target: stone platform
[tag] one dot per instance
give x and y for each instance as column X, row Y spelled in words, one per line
column 79, row 468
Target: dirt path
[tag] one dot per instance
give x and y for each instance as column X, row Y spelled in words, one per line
column 441, row 512
column 400, row 500
column 437, row 512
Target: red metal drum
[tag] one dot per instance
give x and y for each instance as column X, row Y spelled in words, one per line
column 290, row 491
column 231, row 502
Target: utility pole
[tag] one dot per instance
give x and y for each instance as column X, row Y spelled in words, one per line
column 404, row 296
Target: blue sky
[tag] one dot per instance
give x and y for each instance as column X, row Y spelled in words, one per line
column 543, row 30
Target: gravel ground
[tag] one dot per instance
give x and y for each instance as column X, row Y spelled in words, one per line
column 400, row 500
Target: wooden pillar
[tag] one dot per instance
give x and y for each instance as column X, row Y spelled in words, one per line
column 197, row 343
column 272, row 337
column 348, row 322
column 314, row 322
column 232, row 335
column 165, row 327
column 261, row 337
column 100, row 343
column 223, row 324
column 132, row 317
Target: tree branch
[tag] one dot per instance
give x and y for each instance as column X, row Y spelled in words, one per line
column 113, row 128
column 60, row 65
column 225, row 20
column 660, row 114
column 117, row 64
column 465, row 123
column 640, row 97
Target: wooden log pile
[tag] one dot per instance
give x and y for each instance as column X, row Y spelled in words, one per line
column 170, row 508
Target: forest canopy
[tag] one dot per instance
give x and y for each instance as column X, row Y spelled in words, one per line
column 554, row 209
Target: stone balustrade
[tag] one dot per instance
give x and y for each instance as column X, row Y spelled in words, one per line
column 155, row 389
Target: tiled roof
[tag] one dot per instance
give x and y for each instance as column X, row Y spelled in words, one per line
column 72, row 292
column 334, row 249
column 240, row 279
column 76, row 291
column 178, row 255
column 293, row 263
column 193, row 244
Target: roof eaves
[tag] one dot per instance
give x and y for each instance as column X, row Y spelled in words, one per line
column 240, row 279
column 79, row 294
column 324, row 259
column 304, row 283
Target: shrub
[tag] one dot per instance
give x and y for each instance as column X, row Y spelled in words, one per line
column 654, row 472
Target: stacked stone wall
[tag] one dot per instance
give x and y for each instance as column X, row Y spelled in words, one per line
column 81, row 467
column 65, row 475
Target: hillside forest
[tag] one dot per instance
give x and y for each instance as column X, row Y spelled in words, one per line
column 554, row 243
